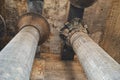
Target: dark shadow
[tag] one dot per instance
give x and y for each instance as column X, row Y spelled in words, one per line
column 2, row 31
column 70, row 75
column 35, row 6
column 75, row 13
column 67, row 52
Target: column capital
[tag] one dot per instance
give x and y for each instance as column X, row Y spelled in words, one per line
column 37, row 21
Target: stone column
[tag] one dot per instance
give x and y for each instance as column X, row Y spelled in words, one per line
column 17, row 57
column 97, row 64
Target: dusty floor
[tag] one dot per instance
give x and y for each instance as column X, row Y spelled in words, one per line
column 50, row 67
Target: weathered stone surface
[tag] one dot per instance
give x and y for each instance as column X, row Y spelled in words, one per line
column 102, row 20
column 95, row 18
column 11, row 10
column 21, row 6
column 2, row 7
column 2, row 32
column 56, row 12
column 38, row 70
column 11, row 16
column 98, row 65
column 10, row 13
column 50, row 67
column 17, row 57
column 111, row 38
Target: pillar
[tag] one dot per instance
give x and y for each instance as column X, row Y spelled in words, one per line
column 97, row 64
column 17, row 57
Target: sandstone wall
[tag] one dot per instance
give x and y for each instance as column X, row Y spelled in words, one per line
column 103, row 20
column 95, row 18
column 111, row 38
column 56, row 12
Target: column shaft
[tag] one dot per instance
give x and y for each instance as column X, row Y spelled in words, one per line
column 98, row 65
column 17, row 57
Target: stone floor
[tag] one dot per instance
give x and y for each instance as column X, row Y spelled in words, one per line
column 50, row 67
